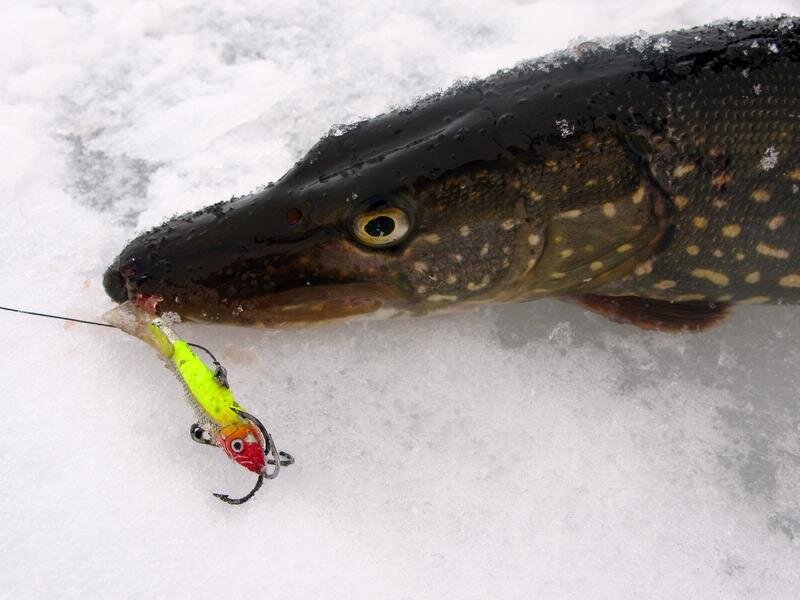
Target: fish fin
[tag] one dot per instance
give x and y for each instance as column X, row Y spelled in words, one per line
column 656, row 315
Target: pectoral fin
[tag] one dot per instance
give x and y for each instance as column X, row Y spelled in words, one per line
column 657, row 315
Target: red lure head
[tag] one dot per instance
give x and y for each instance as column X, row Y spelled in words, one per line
column 244, row 444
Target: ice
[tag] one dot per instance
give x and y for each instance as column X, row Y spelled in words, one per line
column 770, row 158
column 565, row 128
column 529, row 451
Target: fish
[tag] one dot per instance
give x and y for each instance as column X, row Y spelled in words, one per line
column 653, row 180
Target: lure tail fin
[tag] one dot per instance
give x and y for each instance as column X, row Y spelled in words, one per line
column 136, row 322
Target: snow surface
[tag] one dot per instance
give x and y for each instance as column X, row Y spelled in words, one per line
column 530, row 451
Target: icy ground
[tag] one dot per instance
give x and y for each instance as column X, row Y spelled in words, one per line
column 532, row 451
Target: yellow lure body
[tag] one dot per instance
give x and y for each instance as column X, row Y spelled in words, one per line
column 214, row 399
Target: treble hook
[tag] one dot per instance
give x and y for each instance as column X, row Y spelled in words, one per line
column 280, row 459
column 246, row 497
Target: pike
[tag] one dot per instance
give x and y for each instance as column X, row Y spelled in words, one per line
column 655, row 181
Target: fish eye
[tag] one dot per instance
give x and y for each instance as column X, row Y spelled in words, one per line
column 237, row 445
column 382, row 227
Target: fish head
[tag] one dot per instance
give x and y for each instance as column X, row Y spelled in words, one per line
column 263, row 260
column 441, row 206
column 368, row 221
column 244, row 445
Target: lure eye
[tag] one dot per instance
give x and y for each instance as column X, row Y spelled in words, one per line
column 382, row 227
column 237, row 446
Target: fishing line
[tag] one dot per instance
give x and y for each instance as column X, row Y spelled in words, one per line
column 86, row 322
column 38, row 314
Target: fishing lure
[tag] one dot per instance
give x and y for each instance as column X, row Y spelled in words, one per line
column 222, row 421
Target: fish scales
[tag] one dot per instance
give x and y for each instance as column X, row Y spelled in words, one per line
column 731, row 165
column 654, row 181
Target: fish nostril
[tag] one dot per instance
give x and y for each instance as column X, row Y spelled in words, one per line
column 128, row 270
column 294, row 216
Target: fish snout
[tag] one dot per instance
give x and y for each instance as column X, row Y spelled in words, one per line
column 123, row 277
column 115, row 284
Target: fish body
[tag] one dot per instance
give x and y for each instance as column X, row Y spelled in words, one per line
column 654, row 181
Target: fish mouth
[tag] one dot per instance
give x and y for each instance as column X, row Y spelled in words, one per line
column 294, row 307
column 290, row 308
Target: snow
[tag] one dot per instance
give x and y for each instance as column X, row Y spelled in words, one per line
column 514, row 452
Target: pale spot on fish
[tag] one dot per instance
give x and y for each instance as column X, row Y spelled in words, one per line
column 792, row 280
column 740, row 256
column 557, row 275
column 681, row 201
column 420, row 267
column 609, row 210
column 484, row 250
column 596, row 265
column 775, row 222
column 474, row 287
column 464, row 230
column 755, row 300
column 731, row 231
column 451, row 278
column 458, row 258
column 719, row 202
column 753, row 277
column 712, row 276
column 724, row 298
column 762, row 248
column 531, row 264
column 431, row 238
column 644, row 268
column 638, row 195
column 795, row 175
column 700, row 222
column 534, row 239
column 509, row 224
column 683, row 170
column 718, row 253
column 442, row 298
column 567, row 252
column 693, row 250
column 571, row 214
column 535, row 196
column 288, row 307
column 624, row 248
column 665, row 284
column 760, row 195
column 719, row 181
column 689, row 297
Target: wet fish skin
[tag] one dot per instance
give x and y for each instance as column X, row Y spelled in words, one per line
column 662, row 171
